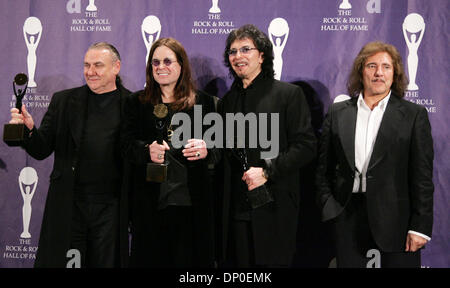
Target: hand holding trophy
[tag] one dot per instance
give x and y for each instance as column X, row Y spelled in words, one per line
column 260, row 195
column 14, row 134
column 157, row 172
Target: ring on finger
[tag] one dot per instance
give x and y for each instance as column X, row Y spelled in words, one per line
column 197, row 154
column 160, row 156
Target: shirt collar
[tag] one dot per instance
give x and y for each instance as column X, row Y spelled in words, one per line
column 258, row 78
column 381, row 105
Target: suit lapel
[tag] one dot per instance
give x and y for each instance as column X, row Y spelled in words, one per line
column 388, row 130
column 347, row 126
column 77, row 113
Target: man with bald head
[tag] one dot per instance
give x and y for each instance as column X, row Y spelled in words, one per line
column 84, row 208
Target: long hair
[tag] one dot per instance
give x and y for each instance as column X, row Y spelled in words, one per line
column 262, row 43
column 114, row 53
column 184, row 89
column 355, row 80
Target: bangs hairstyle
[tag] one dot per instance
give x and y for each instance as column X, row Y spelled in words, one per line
column 355, row 80
column 262, row 43
column 184, row 92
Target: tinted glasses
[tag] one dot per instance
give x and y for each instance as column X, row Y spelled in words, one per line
column 243, row 50
column 167, row 62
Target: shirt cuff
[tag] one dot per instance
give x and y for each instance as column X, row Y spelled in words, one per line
column 267, row 165
column 420, row 234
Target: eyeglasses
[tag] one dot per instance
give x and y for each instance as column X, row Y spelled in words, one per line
column 243, row 50
column 167, row 62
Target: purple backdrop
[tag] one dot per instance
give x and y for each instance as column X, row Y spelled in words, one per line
column 317, row 44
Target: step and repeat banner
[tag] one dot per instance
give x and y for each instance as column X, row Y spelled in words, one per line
column 315, row 43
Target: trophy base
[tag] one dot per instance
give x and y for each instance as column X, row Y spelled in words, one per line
column 259, row 197
column 13, row 134
column 25, row 235
column 412, row 87
column 214, row 10
column 91, row 8
column 345, row 6
column 156, row 172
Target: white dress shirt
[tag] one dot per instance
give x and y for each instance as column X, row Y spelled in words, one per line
column 367, row 124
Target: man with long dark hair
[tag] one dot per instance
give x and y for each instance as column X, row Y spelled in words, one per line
column 172, row 219
column 262, row 235
column 375, row 169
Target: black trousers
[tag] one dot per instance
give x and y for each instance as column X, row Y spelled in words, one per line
column 241, row 251
column 95, row 232
column 170, row 241
column 355, row 247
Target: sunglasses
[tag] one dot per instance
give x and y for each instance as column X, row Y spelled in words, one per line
column 167, row 62
column 243, row 50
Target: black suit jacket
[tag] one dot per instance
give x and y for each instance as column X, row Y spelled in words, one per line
column 399, row 176
column 60, row 133
column 274, row 225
